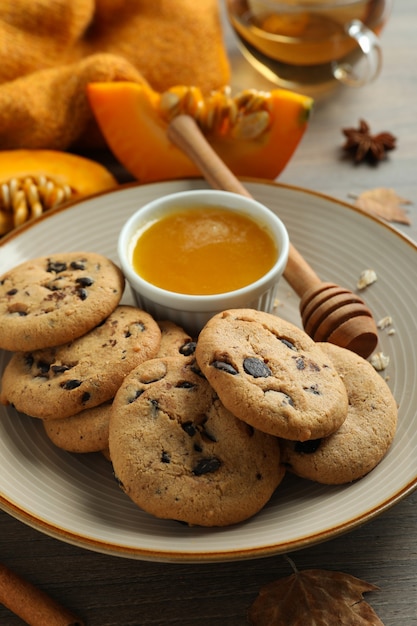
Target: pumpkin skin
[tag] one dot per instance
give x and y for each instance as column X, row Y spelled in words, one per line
column 83, row 175
column 129, row 118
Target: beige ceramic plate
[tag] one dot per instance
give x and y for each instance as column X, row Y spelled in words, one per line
column 76, row 499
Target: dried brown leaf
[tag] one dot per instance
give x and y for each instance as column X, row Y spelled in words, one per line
column 385, row 203
column 314, row 598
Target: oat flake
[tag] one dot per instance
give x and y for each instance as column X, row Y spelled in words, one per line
column 379, row 361
column 366, row 278
column 384, row 322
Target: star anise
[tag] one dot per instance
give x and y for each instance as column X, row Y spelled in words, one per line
column 362, row 145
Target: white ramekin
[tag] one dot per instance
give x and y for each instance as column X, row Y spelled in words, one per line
column 191, row 312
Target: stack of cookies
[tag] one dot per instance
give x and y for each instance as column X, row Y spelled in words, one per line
column 334, row 414
column 197, row 431
column 72, row 342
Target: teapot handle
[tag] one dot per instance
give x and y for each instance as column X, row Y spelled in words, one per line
column 370, row 46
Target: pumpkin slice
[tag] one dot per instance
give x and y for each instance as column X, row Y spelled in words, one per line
column 254, row 132
column 34, row 181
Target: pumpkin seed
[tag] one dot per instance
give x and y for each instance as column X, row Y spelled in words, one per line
column 246, row 114
column 22, row 199
column 251, row 126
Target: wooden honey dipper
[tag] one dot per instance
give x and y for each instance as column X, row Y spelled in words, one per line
column 328, row 312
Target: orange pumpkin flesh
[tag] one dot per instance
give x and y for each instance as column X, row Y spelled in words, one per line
column 129, row 117
column 83, row 175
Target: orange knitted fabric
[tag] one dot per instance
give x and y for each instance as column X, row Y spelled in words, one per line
column 50, row 50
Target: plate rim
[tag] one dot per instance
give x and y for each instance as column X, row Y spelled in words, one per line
column 212, row 556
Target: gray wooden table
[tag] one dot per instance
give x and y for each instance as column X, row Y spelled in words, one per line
column 112, row 591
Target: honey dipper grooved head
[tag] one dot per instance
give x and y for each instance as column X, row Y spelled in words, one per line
column 334, row 314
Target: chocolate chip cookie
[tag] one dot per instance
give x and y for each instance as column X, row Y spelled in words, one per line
column 272, row 375
column 174, row 340
column 179, row 454
column 364, row 437
column 87, row 431
column 65, row 380
column 54, row 299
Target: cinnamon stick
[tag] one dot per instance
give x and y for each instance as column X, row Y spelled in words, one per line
column 31, row 604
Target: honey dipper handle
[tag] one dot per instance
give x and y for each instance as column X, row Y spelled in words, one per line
column 184, row 133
